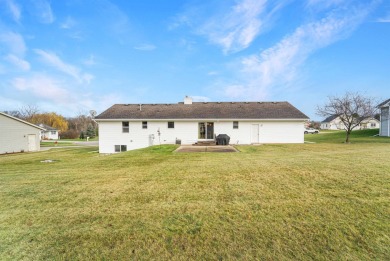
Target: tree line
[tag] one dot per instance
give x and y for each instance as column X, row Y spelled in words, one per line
column 80, row 126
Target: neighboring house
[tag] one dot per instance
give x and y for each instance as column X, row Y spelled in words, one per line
column 369, row 123
column 384, row 129
column 334, row 123
column 131, row 126
column 17, row 135
column 49, row 133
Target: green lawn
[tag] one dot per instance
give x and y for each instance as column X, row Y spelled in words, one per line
column 357, row 136
column 323, row 201
column 54, row 144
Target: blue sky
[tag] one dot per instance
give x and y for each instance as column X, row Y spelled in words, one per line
column 77, row 55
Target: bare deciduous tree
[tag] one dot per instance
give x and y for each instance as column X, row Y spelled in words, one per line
column 352, row 109
column 27, row 112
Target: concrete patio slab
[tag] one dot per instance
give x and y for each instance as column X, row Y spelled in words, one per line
column 189, row 148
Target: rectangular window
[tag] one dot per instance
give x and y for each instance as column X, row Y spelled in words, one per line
column 373, row 124
column 144, row 125
column 53, row 132
column 235, row 124
column 125, row 126
column 120, row 148
column 171, row 125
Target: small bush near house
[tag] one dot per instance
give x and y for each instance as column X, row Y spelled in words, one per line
column 69, row 134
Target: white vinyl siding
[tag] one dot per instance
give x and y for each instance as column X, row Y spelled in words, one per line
column 110, row 133
column 385, row 124
column 16, row 136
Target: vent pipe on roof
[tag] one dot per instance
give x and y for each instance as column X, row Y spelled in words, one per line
column 140, row 107
column 187, row 100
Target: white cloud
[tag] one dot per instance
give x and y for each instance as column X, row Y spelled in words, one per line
column 88, row 77
column 68, row 23
column 385, row 19
column 18, row 62
column 277, row 66
column 14, row 42
column 14, row 9
column 42, row 86
column 200, row 98
column 145, row 47
column 235, row 30
column 325, row 3
column 90, row 61
column 43, row 11
column 53, row 60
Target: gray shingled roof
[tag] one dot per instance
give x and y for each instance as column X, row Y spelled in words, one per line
column 331, row 118
column 47, row 127
column 204, row 110
column 383, row 103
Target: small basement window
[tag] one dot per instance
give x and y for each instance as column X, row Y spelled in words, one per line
column 171, row 125
column 235, row 124
column 120, row 148
column 125, row 126
column 144, row 125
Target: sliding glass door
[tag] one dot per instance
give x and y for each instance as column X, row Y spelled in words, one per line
column 206, row 130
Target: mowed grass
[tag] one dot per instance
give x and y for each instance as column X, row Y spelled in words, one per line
column 339, row 136
column 272, row 202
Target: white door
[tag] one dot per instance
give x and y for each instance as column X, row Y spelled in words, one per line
column 255, row 133
column 151, row 139
column 32, row 145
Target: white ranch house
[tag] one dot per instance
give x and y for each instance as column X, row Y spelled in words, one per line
column 49, row 133
column 385, row 118
column 334, row 123
column 132, row 126
column 17, row 135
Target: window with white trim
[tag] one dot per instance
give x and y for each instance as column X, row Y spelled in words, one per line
column 125, row 127
column 120, row 148
column 144, row 125
column 171, row 125
column 235, row 124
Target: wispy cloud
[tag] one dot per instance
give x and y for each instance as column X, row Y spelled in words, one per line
column 277, row 66
column 14, row 10
column 42, row 86
column 90, row 61
column 68, row 23
column 320, row 4
column 14, row 42
column 200, row 98
column 385, row 19
column 235, row 30
column 43, row 11
column 53, row 60
column 145, row 47
column 18, row 62
column 231, row 26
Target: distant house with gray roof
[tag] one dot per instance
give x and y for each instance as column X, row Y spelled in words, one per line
column 334, row 122
column 49, row 133
column 131, row 126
